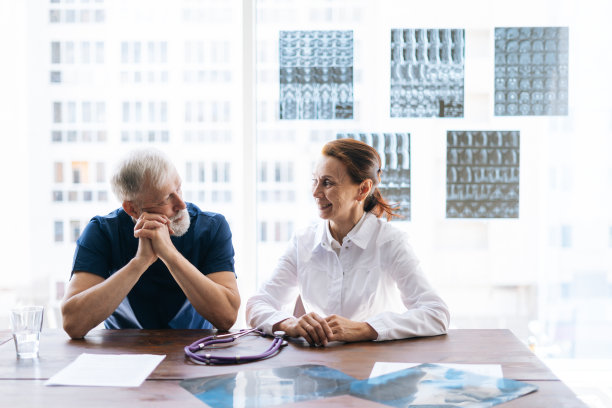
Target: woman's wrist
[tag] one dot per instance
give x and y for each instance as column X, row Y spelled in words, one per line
column 282, row 325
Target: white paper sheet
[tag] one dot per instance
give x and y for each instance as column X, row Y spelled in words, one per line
column 107, row 370
column 490, row 370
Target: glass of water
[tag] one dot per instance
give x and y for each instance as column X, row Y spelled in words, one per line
column 26, row 324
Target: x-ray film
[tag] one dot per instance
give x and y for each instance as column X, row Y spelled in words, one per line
column 432, row 385
column 316, row 74
column 394, row 152
column 265, row 388
column 531, row 71
column 427, row 73
column 482, row 174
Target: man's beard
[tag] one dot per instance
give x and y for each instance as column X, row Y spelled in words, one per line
column 180, row 226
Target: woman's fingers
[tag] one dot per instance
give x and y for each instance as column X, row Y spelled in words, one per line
column 314, row 329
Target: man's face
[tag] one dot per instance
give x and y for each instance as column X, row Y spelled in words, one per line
column 167, row 200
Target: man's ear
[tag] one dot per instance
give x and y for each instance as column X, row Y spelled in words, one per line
column 131, row 209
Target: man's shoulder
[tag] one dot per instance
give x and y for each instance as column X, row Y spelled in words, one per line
column 206, row 220
column 113, row 218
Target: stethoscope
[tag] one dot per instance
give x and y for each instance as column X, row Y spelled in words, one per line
column 210, row 341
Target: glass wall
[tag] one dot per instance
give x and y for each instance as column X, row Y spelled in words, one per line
column 492, row 120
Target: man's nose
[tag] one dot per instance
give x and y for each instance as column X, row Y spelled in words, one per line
column 179, row 204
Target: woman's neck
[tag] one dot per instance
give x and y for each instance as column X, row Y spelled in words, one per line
column 339, row 230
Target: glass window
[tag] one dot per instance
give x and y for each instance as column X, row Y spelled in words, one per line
column 58, row 231
column 69, row 52
column 85, row 52
column 99, row 16
column 100, row 172
column 56, row 77
column 75, row 230
column 71, row 112
column 102, row 196
column 86, row 112
column 58, row 172
column 100, row 112
column 55, row 52
column 99, row 52
column 57, row 112
column 54, row 16
column 125, row 52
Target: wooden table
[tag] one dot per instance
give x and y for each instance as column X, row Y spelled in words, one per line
column 21, row 381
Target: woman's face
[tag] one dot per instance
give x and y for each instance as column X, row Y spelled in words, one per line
column 336, row 196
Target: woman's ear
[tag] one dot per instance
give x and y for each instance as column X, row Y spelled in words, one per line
column 130, row 208
column 365, row 188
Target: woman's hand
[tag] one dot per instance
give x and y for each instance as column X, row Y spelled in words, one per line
column 311, row 326
column 347, row 330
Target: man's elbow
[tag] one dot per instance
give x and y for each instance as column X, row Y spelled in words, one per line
column 70, row 323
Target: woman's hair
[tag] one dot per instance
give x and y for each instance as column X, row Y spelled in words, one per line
column 362, row 162
column 141, row 169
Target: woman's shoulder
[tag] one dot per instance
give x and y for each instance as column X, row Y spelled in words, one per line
column 387, row 231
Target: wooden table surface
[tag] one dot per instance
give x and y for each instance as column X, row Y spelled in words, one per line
column 21, row 381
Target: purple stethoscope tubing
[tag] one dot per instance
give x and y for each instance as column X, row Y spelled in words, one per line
column 208, row 358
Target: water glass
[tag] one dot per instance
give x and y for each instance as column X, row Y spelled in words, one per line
column 26, row 324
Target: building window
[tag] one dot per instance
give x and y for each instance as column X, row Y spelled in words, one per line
column 54, row 16
column 99, row 52
column 58, row 231
column 102, row 196
column 201, row 172
column 56, row 136
column 566, row 236
column 100, row 172
column 58, row 196
column 57, row 112
column 80, row 172
column 59, row 172
column 56, row 77
column 55, row 52
column 75, row 230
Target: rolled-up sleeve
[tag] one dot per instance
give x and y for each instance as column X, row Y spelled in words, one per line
column 426, row 314
column 269, row 305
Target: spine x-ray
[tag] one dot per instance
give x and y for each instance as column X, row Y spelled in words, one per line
column 316, row 74
column 427, row 71
column 482, row 174
column 394, row 151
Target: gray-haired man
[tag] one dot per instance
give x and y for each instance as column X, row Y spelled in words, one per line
column 157, row 262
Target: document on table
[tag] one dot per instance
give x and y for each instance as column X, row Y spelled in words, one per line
column 489, row 370
column 107, row 370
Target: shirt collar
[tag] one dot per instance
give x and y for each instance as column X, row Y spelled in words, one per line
column 360, row 234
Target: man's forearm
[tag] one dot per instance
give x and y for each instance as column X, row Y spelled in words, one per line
column 86, row 309
column 215, row 302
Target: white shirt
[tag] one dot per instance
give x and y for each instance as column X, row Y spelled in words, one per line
column 375, row 278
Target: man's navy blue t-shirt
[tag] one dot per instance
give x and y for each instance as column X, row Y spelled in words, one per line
column 156, row 301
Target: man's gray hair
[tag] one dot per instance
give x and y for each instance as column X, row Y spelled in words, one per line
column 141, row 169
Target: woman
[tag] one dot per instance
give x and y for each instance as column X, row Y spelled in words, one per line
column 353, row 271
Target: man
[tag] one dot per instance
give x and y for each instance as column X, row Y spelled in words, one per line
column 157, row 262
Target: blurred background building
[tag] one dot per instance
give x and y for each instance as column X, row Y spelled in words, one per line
column 84, row 81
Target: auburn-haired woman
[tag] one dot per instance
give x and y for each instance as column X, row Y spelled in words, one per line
column 356, row 274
